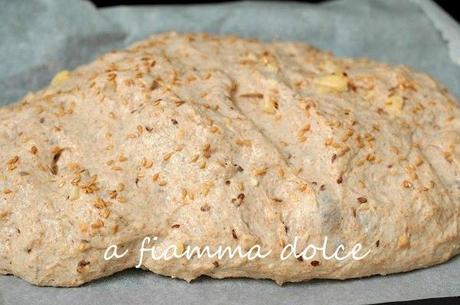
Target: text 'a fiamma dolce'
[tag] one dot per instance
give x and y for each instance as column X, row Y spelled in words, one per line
column 178, row 250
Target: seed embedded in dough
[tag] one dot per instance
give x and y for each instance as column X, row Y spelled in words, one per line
column 74, row 193
column 180, row 248
column 394, row 104
column 60, row 77
column 333, row 82
column 270, row 105
column 403, row 241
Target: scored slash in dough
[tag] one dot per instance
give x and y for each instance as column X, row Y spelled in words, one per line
column 207, row 140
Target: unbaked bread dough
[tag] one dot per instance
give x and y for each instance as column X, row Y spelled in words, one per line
column 206, row 140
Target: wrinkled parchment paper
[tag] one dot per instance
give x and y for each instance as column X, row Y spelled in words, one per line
column 40, row 37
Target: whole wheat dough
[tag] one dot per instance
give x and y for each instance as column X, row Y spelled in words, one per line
column 206, row 140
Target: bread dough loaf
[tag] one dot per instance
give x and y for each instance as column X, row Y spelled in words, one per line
column 205, row 140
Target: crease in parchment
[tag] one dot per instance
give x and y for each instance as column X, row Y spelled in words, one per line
column 445, row 24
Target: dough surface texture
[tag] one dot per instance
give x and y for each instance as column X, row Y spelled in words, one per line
column 205, row 140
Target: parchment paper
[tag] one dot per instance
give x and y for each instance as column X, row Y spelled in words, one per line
column 40, row 37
